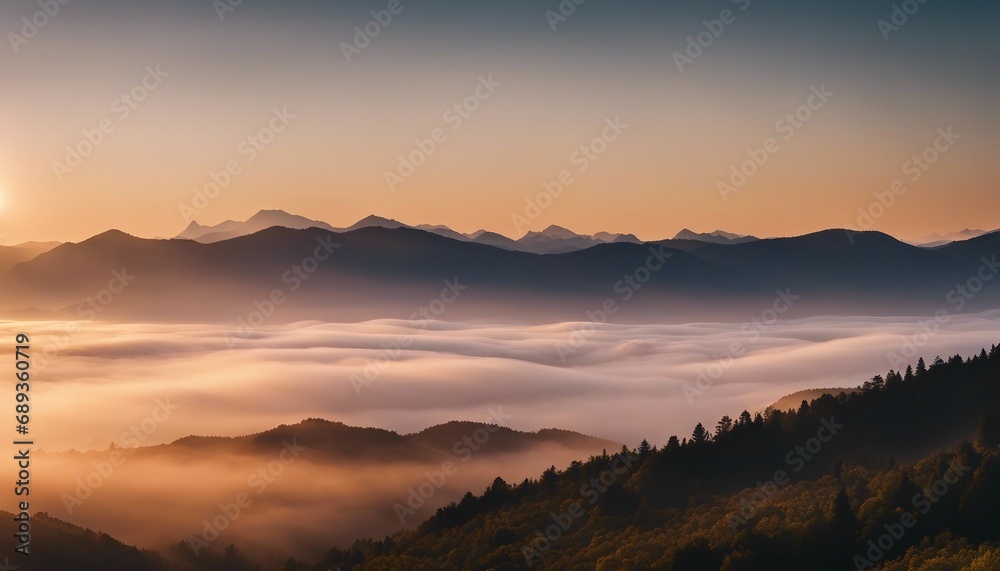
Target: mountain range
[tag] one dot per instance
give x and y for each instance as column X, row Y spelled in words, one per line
column 935, row 240
column 551, row 240
column 717, row 237
column 379, row 268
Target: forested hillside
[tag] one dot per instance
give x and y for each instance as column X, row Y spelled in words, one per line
column 904, row 474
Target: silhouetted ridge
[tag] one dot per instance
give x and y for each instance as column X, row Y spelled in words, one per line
column 356, row 276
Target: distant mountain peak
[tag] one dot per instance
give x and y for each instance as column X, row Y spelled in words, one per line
column 716, row 237
column 375, row 220
column 113, row 235
column 262, row 220
column 494, row 239
column 935, row 240
column 277, row 217
column 193, row 231
column 611, row 237
column 554, row 231
column 557, row 239
column 442, row 230
column 725, row 234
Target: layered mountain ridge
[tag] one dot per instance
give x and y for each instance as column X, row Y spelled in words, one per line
column 381, row 268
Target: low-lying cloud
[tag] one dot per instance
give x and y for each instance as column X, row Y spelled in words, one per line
column 623, row 382
column 620, row 382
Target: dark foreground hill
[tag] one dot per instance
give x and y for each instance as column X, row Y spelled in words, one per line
column 57, row 546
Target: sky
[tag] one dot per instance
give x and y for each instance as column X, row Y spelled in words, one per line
column 118, row 114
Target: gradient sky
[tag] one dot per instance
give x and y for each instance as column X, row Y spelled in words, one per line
column 558, row 87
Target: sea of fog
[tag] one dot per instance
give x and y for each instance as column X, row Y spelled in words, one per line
column 92, row 381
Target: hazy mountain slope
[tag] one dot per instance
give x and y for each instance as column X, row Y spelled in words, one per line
column 862, row 268
column 194, row 230
column 37, row 247
column 13, row 255
column 609, row 237
column 259, row 221
column 321, row 482
column 180, row 279
column 937, row 240
column 377, row 272
column 813, row 489
column 716, row 237
column 555, row 240
column 972, row 251
column 337, row 441
column 268, row 218
column 558, row 240
column 794, row 400
column 442, row 231
column 374, row 221
column 496, row 240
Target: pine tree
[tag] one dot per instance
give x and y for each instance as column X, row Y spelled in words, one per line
column 699, row 435
column 725, row 425
column 842, row 512
column 845, row 523
column 643, row 448
column 989, row 429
